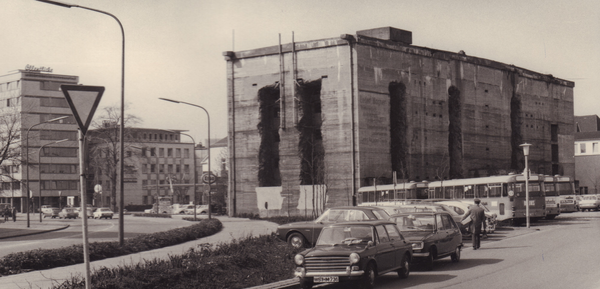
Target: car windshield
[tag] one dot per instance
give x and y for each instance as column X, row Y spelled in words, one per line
column 415, row 222
column 351, row 234
column 342, row 215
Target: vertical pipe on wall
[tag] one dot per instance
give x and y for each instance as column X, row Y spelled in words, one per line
column 294, row 78
column 350, row 40
column 232, row 193
column 281, row 87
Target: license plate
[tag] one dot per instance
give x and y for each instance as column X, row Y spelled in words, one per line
column 326, row 279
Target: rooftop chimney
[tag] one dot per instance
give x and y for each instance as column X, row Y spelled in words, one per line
column 388, row 33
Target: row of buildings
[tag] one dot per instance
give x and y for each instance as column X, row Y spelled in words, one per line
column 40, row 152
column 311, row 122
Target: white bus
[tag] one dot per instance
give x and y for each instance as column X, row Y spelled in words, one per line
column 389, row 195
column 552, row 198
column 503, row 195
column 566, row 190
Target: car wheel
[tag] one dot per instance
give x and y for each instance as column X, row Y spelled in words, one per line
column 405, row 270
column 297, row 240
column 456, row 255
column 306, row 284
column 368, row 280
column 429, row 260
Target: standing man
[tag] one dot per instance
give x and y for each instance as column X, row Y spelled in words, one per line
column 477, row 214
column 14, row 214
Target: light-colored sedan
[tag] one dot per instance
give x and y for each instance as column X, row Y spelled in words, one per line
column 100, row 213
column 200, row 210
column 589, row 202
column 89, row 212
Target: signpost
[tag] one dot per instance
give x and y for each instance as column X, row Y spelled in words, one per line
column 83, row 101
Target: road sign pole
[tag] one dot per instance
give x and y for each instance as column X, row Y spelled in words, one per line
column 86, row 250
column 83, row 101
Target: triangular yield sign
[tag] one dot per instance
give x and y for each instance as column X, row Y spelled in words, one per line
column 83, row 100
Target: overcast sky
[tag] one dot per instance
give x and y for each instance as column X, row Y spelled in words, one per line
column 174, row 47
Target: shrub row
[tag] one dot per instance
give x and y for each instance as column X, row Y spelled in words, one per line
column 240, row 264
column 40, row 259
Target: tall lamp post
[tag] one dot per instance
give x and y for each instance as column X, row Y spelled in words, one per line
column 525, row 147
column 209, row 171
column 40, row 174
column 27, row 162
column 194, row 179
column 122, row 127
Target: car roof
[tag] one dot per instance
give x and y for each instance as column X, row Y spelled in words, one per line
column 355, row 208
column 420, row 213
column 370, row 222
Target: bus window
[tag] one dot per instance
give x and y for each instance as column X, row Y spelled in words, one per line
column 495, row 190
column 469, row 192
column 501, row 208
column 449, row 193
column 458, row 192
column 481, row 191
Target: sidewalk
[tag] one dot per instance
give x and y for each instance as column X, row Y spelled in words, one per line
column 233, row 228
column 11, row 229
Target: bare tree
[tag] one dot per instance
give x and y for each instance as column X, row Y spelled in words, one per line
column 10, row 135
column 104, row 144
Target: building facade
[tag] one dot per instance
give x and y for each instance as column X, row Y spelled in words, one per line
column 587, row 153
column 311, row 122
column 30, row 101
column 157, row 163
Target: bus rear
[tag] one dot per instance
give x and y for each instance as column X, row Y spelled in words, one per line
column 566, row 191
column 517, row 194
column 552, row 198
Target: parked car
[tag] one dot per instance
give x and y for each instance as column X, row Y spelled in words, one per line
column 354, row 252
column 433, row 236
column 589, row 202
column 461, row 207
column 49, row 211
column 303, row 234
column 181, row 209
column 68, row 213
column 100, row 213
column 89, row 212
column 200, row 210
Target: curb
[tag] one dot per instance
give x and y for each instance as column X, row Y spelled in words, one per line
column 34, row 232
column 278, row 285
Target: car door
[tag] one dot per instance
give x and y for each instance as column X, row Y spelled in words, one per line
column 400, row 245
column 385, row 257
column 455, row 234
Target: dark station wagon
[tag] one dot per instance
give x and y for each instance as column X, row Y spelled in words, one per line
column 304, row 234
column 354, row 252
column 433, row 235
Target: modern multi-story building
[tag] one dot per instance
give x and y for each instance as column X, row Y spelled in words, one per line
column 157, row 163
column 587, row 153
column 46, row 149
column 311, row 122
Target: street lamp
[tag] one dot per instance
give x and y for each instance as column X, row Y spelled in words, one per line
column 525, row 147
column 209, row 171
column 27, row 161
column 40, row 174
column 194, row 179
column 122, row 127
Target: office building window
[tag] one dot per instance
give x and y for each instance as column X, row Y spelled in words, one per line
column 169, row 152
column 58, row 135
column 152, row 168
column 186, row 153
column 169, row 169
column 595, row 147
column 152, row 152
column 161, row 168
column 161, row 152
column 582, row 148
column 186, row 169
column 177, row 153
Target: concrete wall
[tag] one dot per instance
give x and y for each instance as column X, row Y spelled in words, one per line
column 501, row 106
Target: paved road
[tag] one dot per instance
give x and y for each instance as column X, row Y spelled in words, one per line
column 551, row 254
column 98, row 231
column 233, row 228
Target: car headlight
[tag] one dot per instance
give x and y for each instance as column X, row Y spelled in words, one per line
column 354, row 258
column 299, row 259
column 417, row 245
